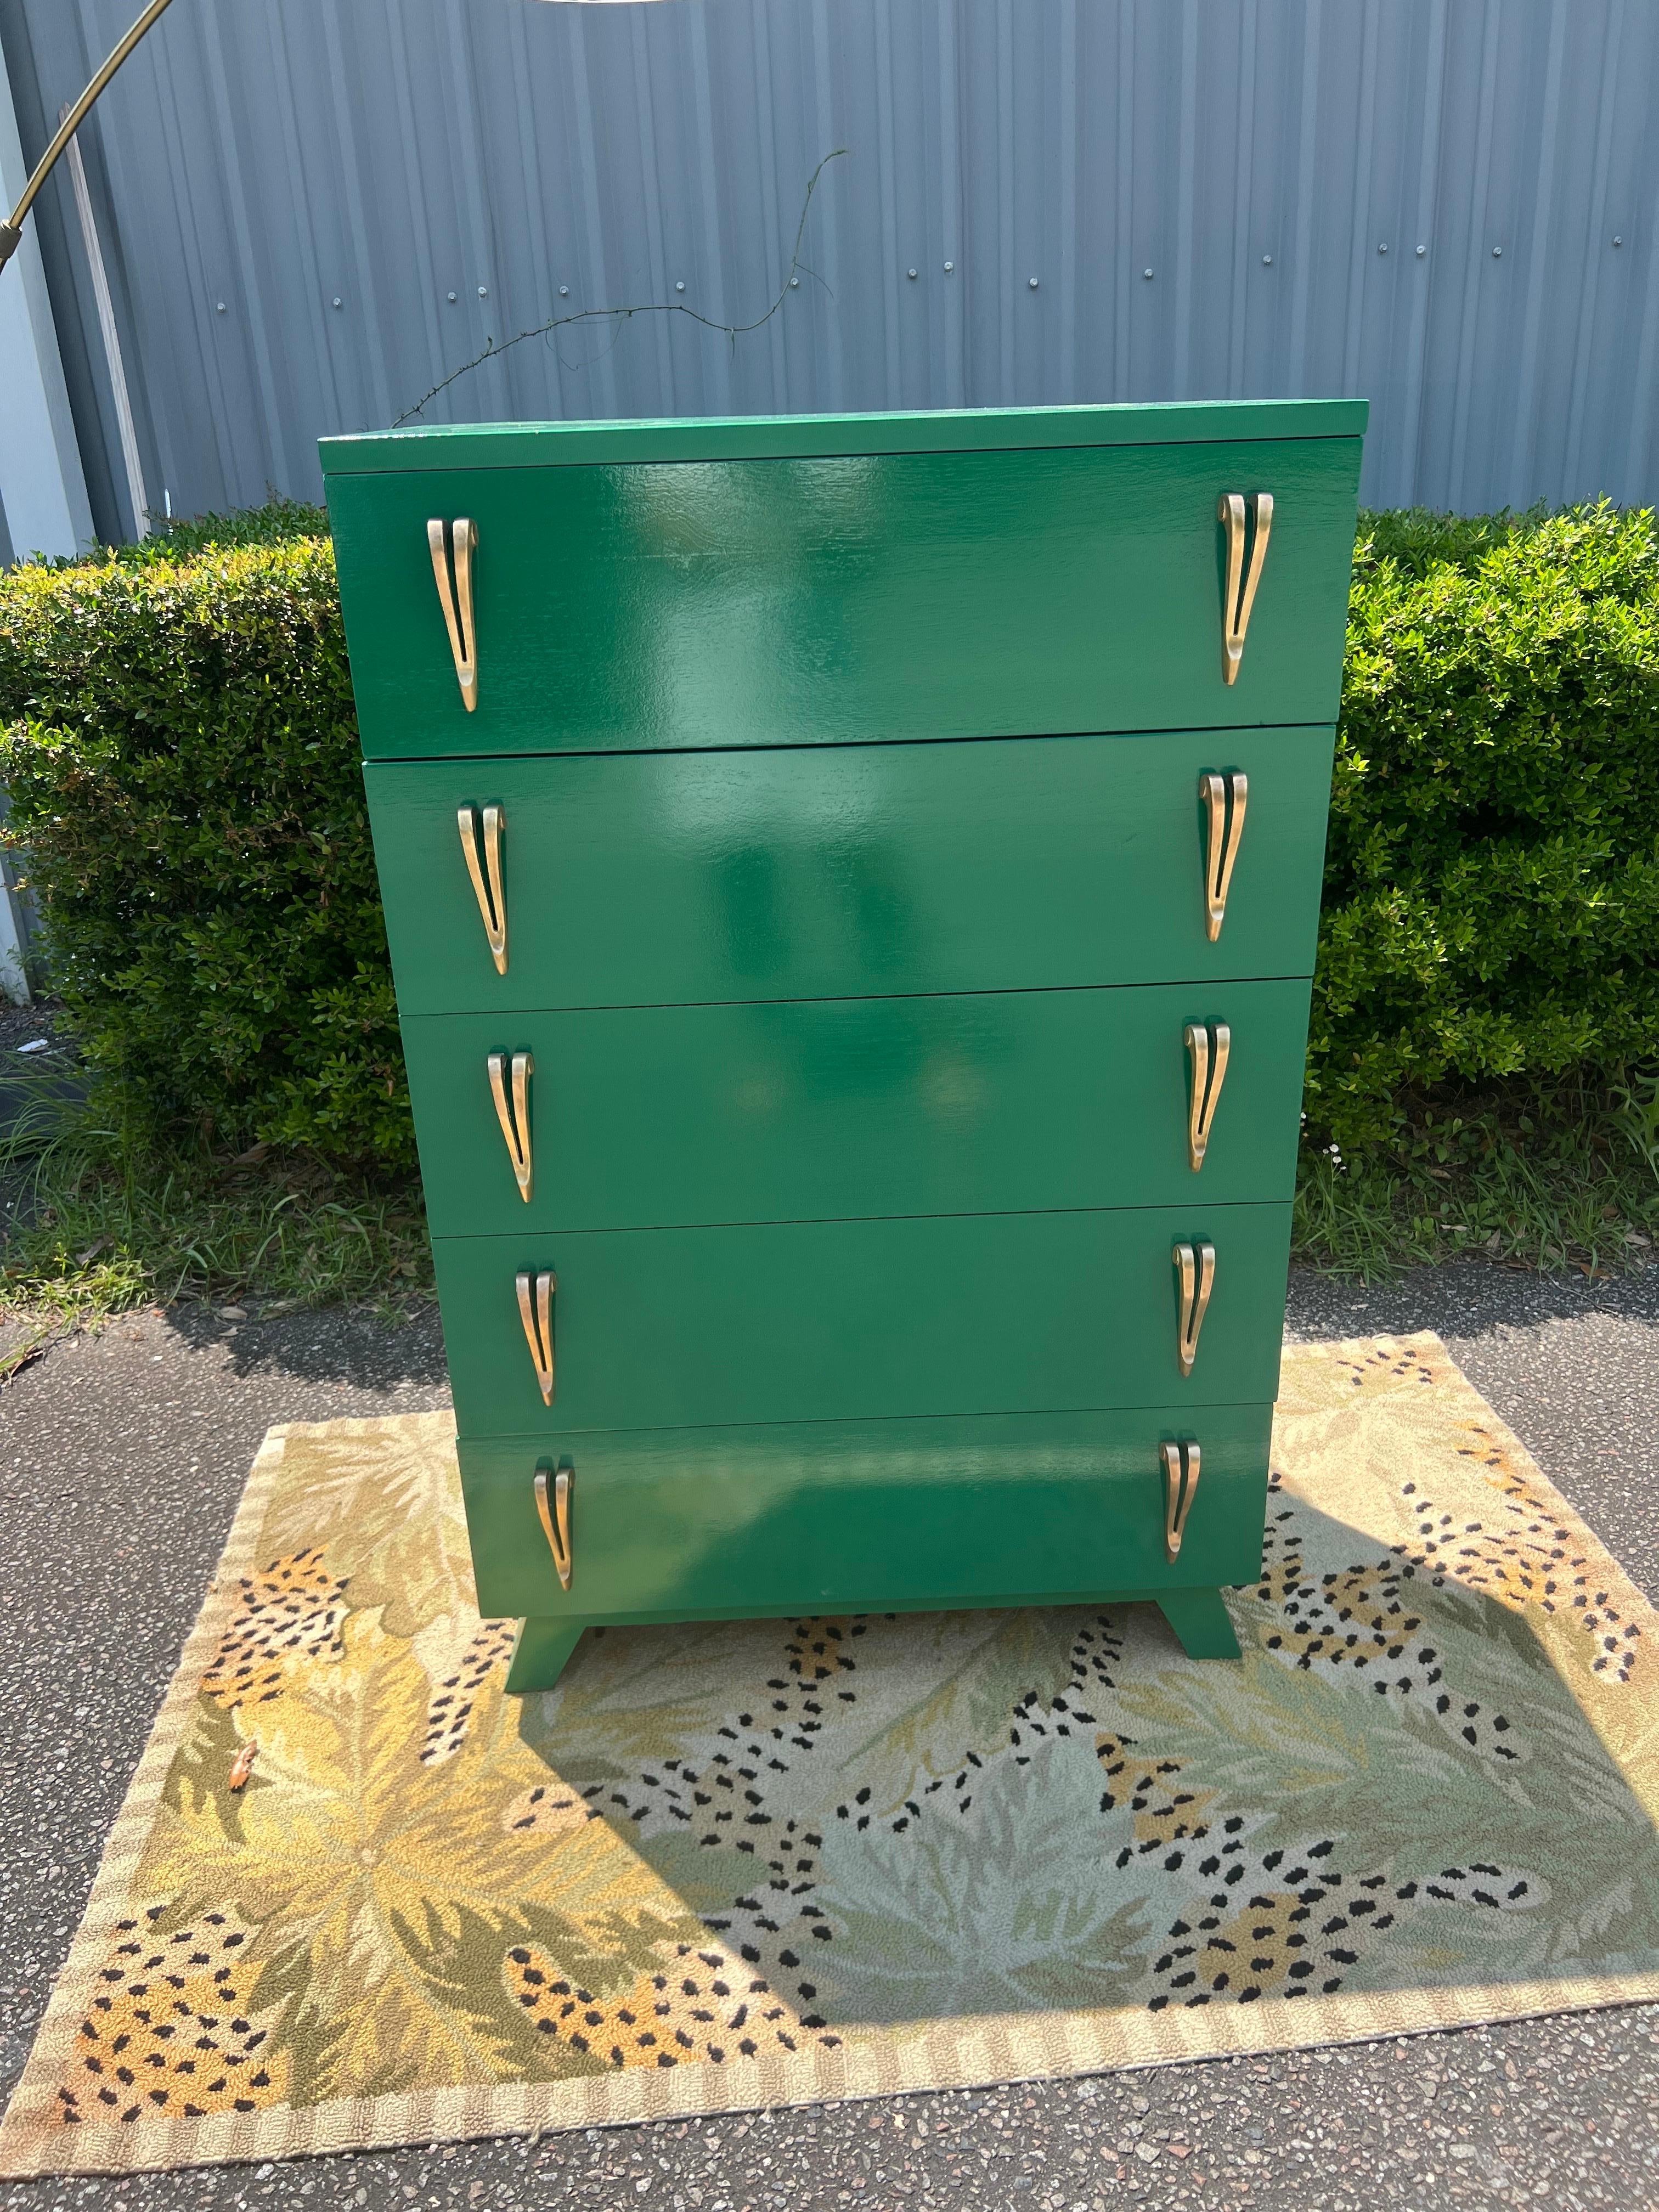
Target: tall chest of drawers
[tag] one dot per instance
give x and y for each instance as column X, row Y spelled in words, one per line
column 853, row 887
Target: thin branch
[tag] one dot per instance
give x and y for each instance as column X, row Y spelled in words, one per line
column 731, row 330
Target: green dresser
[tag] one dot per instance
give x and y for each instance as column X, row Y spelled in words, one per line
column 853, row 887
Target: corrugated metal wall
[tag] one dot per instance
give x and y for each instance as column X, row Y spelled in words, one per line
column 315, row 210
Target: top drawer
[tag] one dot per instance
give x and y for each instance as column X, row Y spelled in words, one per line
column 827, row 600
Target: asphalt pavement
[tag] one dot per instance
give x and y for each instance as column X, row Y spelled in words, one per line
column 122, row 1456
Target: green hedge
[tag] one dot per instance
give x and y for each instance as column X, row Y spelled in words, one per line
column 1491, row 892
column 177, row 736
column 181, row 758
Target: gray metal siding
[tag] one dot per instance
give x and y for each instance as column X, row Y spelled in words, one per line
column 1255, row 156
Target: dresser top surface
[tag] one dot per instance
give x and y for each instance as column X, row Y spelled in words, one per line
column 813, row 437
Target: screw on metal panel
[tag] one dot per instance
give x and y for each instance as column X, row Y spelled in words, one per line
column 221, row 306
column 564, row 292
column 451, row 298
column 1145, row 272
column 484, row 291
column 1497, row 253
column 1421, row 251
column 949, row 266
column 1267, row 261
column 1033, row 283
column 679, row 283
column 909, row 272
column 1618, row 241
column 338, row 301
column 1382, row 249
column 794, row 284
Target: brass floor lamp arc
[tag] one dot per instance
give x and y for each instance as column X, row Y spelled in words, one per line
column 11, row 231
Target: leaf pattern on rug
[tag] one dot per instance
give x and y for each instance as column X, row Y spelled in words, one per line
column 381, row 1499
column 384, row 1888
column 1434, row 1766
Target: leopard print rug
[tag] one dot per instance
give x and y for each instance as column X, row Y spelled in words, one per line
column 774, row 1862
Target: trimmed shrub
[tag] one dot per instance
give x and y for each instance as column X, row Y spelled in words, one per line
column 1491, row 889
column 178, row 739
column 181, row 752
column 276, row 523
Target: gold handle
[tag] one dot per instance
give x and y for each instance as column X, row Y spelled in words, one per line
column 456, row 598
column 555, row 1517
column 536, row 1311
column 1180, row 1469
column 1247, row 549
column 1208, row 1044
column 1223, row 797
column 512, row 1110
column 482, row 831
column 1194, row 1267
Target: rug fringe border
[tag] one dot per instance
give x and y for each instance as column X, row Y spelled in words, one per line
column 935, row 2060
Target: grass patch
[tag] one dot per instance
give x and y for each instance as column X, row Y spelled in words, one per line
column 93, row 1226
column 1556, row 1181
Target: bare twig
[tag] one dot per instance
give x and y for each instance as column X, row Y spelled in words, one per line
column 733, row 330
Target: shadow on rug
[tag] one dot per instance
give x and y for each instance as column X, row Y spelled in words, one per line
column 777, row 1862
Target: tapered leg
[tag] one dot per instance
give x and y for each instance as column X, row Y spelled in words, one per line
column 540, row 1654
column 1200, row 1619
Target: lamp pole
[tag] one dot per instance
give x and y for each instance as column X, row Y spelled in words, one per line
column 11, row 231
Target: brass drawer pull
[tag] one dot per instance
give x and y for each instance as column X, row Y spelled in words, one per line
column 456, row 597
column 555, row 1517
column 1208, row 1044
column 1247, row 550
column 1223, row 797
column 1194, row 1267
column 512, row 1110
column 536, row 1312
column 1180, row 1469
column 482, row 830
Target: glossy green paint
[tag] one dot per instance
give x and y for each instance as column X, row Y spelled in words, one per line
column 723, row 1523
column 673, row 878
column 541, row 1652
column 1200, row 1620
column 863, row 1320
column 808, row 437
column 1000, row 1103
column 859, row 1109
column 837, row 600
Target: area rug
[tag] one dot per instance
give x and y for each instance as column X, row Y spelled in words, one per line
column 780, row 1861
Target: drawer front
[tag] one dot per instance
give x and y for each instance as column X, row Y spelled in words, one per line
column 863, row 1320
column 677, row 1524
column 670, row 878
column 1009, row 1102
column 832, row 601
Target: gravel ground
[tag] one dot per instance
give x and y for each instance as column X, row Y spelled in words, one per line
column 123, row 1456
column 20, row 1025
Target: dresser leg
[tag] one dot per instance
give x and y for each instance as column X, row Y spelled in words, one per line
column 1200, row 1619
column 540, row 1655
